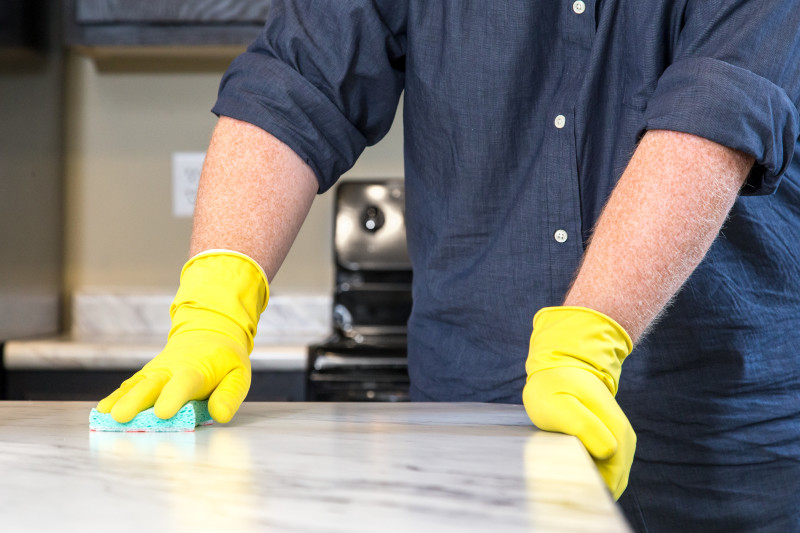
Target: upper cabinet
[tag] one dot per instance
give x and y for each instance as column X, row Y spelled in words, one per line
column 23, row 26
column 163, row 24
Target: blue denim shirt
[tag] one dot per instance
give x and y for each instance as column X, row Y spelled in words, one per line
column 519, row 118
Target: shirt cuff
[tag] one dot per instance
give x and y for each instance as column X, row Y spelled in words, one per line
column 269, row 94
column 731, row 106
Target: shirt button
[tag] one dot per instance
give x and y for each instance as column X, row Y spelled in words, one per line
column 560, row 235
column 560, row 121
column 579, row 7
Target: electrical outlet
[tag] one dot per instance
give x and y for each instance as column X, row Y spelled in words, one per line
column 186, row 168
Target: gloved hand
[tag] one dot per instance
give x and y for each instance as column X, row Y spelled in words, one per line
column 573, row 368
column 214, row 319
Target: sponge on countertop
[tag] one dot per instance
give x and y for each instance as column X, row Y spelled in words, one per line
column 194, row 413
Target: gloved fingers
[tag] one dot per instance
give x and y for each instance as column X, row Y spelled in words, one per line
column 229, row 395
column 551, row 409
column 186, row 385
column 106, row 404
column 614, row 476
column 142, row 396
column 602, row 403
column 615, row 470
column 579, row 420
column 611, row 444
column 613, row 463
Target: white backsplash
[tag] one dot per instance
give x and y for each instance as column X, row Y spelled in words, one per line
column 117, row 313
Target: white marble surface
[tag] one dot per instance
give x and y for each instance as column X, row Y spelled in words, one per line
column 115, row 329
column 106, row 313
column 300, row 467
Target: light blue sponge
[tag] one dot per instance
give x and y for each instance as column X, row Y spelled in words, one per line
column 194, row 413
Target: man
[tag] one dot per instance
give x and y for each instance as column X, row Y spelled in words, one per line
column 519, row 119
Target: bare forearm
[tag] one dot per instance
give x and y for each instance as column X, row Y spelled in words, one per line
column 662, row 217
column 253, row 196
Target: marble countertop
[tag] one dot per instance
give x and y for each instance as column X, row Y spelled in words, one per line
column 300, row 467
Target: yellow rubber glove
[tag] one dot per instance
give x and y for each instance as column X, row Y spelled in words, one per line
column 214, row 318
column 573, row 368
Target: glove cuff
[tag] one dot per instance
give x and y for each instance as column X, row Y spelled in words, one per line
column 578, row 337
column 223, row 291
column 232, row 253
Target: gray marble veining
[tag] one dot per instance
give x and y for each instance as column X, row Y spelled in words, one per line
column 300, row 467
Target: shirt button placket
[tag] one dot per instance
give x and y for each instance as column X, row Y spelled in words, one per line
column 564, row 221
column 560, row 235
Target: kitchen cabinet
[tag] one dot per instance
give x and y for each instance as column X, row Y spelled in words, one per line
column 23, row 26
column 92, row 385
column 17, row 25
column 31, row 151
column 167, row 23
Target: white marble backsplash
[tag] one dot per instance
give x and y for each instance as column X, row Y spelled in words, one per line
column 65, row 353
column 121, row 314
column 118, row 329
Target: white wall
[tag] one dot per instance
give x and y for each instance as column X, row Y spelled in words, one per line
column 122, row 126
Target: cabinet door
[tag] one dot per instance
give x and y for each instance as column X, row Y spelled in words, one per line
column 164, row 23
column 21, row 24
column 31, row 139
column 171, row 11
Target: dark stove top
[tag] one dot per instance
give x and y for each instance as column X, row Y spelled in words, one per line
column 390, row 345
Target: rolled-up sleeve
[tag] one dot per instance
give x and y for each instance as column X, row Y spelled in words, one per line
column 735, row 80
column 324, row 77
